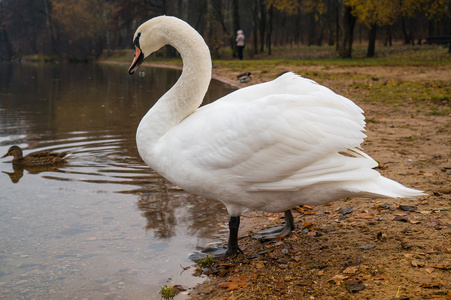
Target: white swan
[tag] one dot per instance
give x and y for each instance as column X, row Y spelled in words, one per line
column 269, row 147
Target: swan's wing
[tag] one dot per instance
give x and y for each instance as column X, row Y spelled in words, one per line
column 263, row 141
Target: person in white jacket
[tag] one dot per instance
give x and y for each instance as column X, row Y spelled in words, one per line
column 240, row 43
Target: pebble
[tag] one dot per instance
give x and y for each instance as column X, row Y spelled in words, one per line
column 408, row 207
column 345, row 211
column 366, row 246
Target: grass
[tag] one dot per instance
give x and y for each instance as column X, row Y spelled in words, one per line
column 206, row 262
column 315, row 55
column 168, row 292
column 359, row 78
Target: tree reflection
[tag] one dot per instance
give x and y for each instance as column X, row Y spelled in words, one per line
column 168, row 209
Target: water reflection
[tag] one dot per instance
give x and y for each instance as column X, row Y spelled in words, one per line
column 103, row 223
column 18, row 171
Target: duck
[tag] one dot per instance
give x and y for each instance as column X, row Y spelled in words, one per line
column 39, row 158
column 244, row 78
column 268, row 147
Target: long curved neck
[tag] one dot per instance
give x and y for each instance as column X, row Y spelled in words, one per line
column 188, row 92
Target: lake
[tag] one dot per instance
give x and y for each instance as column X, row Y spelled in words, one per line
column 103, row 225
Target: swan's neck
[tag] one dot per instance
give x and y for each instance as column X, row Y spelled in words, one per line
column 185, row 96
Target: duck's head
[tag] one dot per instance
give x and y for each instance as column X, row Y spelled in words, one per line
column 148, row 38
column 14, row 151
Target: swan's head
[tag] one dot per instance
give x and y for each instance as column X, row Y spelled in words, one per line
column 148, row 38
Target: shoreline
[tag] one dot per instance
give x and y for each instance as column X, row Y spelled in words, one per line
column 378, row 251
column 217, row 74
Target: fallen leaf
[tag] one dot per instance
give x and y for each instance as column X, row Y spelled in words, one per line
column 381, row 277
column 339, row 278
column 429, row 284
column 235, row 283
column 429, row 270
column 401, row 214
column 415, row 221
column 365, row 216
column 351, row 270
column 417, row 263
column 443, row 266
column 306, row 225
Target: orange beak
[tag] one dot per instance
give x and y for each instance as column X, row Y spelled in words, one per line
column 137, row 60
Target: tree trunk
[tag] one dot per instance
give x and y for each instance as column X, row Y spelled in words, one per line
column 236, row 23
column 347, row 30
column 388, row 37
column 5, row 46
column 297, row 27
column 47, row 25
column 255, row 25
column 371, row 41
column 269, row 32
column 262, row 24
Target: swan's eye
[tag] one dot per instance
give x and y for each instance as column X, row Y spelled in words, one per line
column 136, row 41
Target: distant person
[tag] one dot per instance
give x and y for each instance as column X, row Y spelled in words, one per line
column 240, row 43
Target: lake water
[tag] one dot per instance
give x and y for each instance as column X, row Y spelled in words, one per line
column 104, row 225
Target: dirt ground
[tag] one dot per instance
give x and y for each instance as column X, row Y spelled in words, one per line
column 359, row 248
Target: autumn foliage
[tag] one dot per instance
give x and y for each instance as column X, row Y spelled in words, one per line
column 84, row 29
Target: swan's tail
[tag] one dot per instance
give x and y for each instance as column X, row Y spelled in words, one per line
column 384, row 188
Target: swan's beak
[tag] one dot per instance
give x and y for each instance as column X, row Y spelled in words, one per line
column 137, row 60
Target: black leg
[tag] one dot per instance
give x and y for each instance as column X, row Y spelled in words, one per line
column 289, row 220
column 232, row 245
column 277, row 231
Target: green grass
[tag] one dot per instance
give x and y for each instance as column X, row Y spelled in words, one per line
column 324, row 66
column 168, row 292
column 316, row 55
column 206, row 262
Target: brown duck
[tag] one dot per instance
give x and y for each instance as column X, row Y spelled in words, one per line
column 40, row 158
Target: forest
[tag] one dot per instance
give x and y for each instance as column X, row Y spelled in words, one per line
column 85, row 29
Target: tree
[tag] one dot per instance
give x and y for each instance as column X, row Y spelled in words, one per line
column 5, row 45
column 83, row 39
column 346, row 21
column 374, row 13
column 377, row 13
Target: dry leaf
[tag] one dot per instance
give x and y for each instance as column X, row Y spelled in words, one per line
column 381, row 277
column 351, row 270
column 417, row 263
column 443, row 266
column 401, row 214
column 365, row 216
column 429, row 270
column 339, row 278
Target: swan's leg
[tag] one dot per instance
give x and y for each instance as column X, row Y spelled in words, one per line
column 277, row 231
column 232, row 245
column 221, row 251
column 289, row 220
